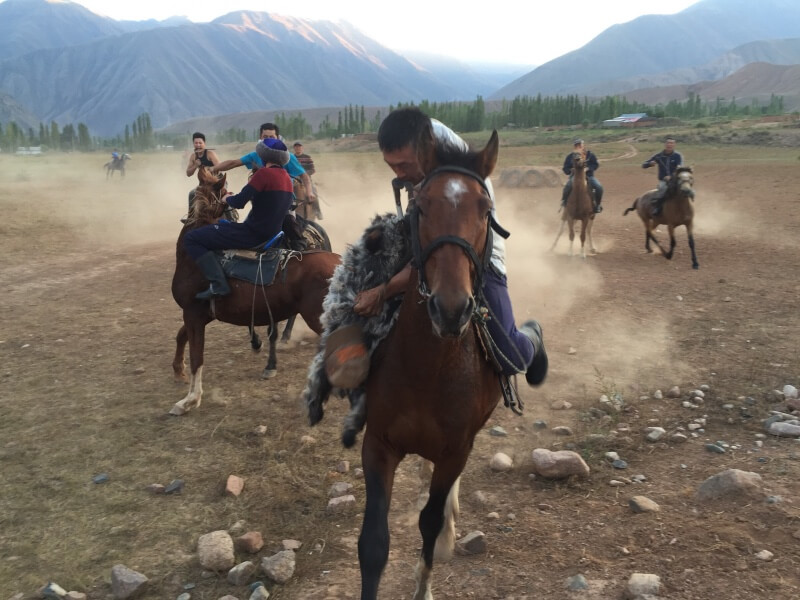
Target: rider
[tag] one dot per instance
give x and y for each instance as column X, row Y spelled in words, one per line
column 308, row 164
column 397, row 138
column 591, row 166
column 270, row 191
column 115, row 155
column 668, row 162
column 200, row 157
column 253, row 161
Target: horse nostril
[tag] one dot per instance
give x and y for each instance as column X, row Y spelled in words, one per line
column 434, row 310
column 469, row 308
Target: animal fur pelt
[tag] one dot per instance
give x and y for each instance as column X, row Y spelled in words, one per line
column 383, row 250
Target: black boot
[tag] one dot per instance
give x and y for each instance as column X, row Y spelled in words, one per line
column 598, row 198
column 659, row 204
column 537, row 370
column 212, row 270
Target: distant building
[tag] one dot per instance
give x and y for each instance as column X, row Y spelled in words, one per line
column 29, row 150
column 630, row 120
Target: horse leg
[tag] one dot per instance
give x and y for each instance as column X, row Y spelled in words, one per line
column 592, row 249
column 178, row 364
column 583, row 238
column 272, row 362
column 668, row 255
column 432, row 522
column 560, row 231
column 287, row 329
column 571, row 237
column 355, row 419
column 379, row 465
column 255, row 342
column 695, row 264
column 196, row 333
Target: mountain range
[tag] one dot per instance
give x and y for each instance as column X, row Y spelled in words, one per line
column 59, row 61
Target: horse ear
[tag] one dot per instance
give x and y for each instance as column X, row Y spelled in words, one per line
column 487, row 159
column 426, row 151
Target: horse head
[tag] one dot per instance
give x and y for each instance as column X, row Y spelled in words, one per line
column 578, row 160
column 208, row 200
column 681, row 183
column 451, row 230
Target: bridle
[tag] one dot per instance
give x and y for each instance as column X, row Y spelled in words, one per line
column 421, row 255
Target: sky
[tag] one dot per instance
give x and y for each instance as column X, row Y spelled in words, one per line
column 494, row 31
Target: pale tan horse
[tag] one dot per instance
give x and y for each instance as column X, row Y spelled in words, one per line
column 579, row 207
column 678, row 210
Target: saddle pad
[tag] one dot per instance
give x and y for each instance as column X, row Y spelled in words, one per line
column 259, row 269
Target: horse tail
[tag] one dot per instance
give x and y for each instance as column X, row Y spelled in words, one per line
column 633, row 207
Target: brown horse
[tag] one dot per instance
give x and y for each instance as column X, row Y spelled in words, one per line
column 300, row 288
column 306, row 208
column 677, row 211
column 430, row 388
column 579, row 207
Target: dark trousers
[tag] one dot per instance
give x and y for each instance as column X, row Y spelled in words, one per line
column 222, row 236
column 515, row 346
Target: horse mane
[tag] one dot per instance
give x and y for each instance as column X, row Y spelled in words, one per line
column 207, row 206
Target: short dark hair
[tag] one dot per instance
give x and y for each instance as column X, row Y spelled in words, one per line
column 402, row 127
column 197, row 134
column 269, row 126
column 297, row 144
column 669, row 138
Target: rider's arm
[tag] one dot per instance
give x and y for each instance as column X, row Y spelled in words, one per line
column 194, row 163
column 567, row 168
column 226, row 165
column 650, row 162
column 370, row 302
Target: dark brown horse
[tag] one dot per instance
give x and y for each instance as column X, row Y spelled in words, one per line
column 300, row 289
column 579, row 207
column 677, row 211
column 430, row 388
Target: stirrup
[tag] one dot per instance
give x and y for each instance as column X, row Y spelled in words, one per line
column 211, row 293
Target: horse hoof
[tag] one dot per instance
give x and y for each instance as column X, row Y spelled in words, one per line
column 269, row 373
column 180, row 378
column 177, row 411
column 257, row 347
column 695, row 267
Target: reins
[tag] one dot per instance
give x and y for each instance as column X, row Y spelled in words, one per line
column 483, row 311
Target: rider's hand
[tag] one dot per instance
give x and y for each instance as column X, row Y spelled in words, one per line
column 369, row 303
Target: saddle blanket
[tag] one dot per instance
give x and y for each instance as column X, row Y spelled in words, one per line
column 257, row 268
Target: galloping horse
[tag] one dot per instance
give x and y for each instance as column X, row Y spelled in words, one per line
column 430, row 388
column 677, row 211
column 117, row 164
column 579, row 207
column 299, row 288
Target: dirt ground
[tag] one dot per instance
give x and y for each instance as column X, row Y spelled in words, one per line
column 87, row 339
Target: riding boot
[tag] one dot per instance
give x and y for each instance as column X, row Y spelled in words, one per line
column 598, row 198
column 537, row 370
column 658, row 206
column 346, row 357
column 212, row 271
column 565, row 194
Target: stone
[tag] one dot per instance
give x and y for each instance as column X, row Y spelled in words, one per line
column 561, row 430
column 498, row 431
column 175, row 487
column 75, row 596
column 732, row 483
column 501, row 462
column 561, row 405
column 241, row 573
column 472, row 543
column 250, row 542
column 341, row 504
column 126, row 583
column 259, row 593
column 577, row 582
column 279, row 567
column 293, row 545
column 155, row 488
column 215, row 551
column 234, row 486
column 100, row 478
column 654, row 434
column 789, row 391
column 784, row 430
column 642, row 584
column 764, row 555
column 340, row 488
column 558, row 464
column 643, row 504
column 53, row 591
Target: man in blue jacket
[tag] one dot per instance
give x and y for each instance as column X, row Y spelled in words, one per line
column 668, row 162
column 591, row 166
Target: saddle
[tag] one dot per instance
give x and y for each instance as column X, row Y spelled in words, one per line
column 258, row 265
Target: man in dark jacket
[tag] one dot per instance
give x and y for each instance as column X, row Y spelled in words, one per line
column 591, row 166
column 668, row 162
